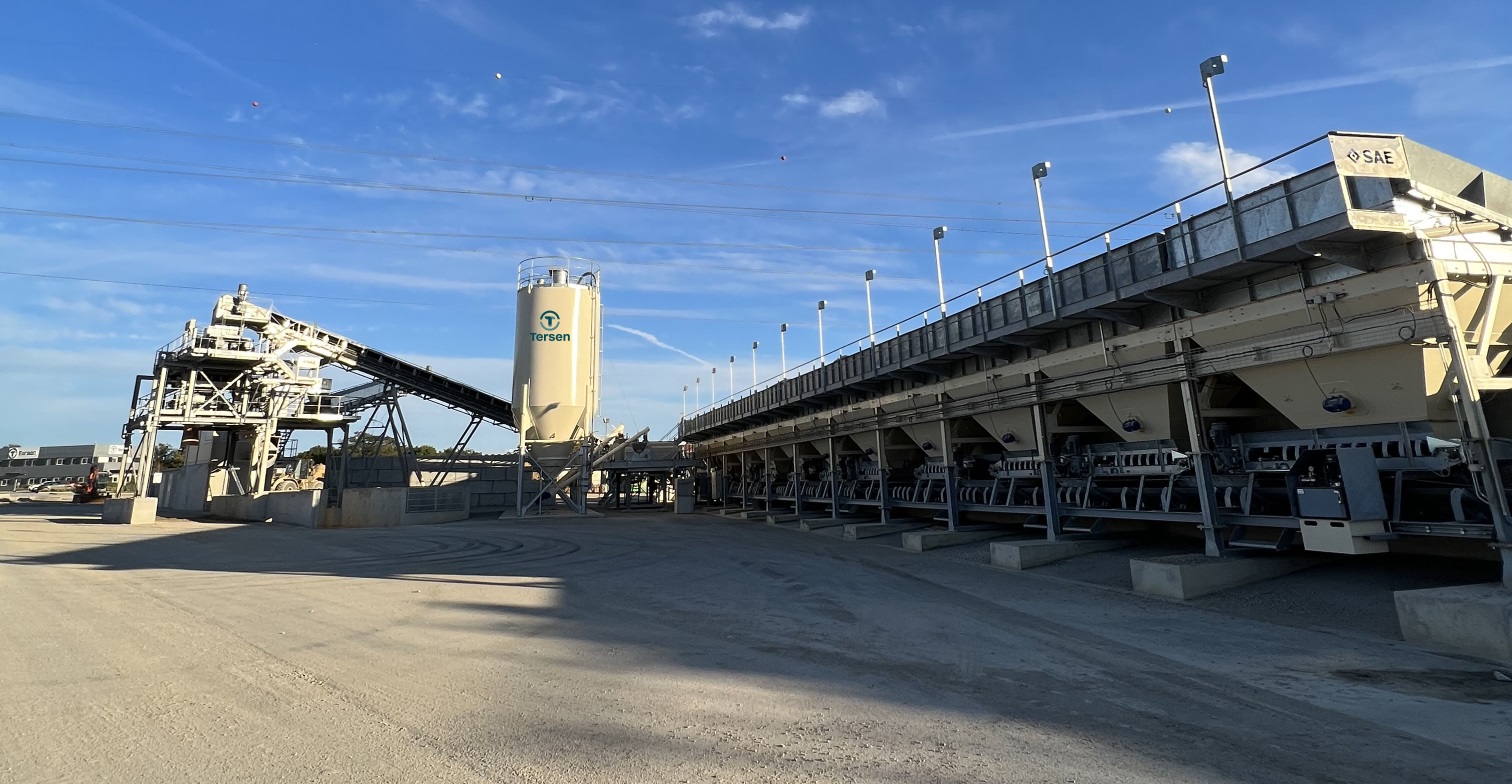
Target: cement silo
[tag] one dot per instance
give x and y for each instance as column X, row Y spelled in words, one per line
column 558, row 320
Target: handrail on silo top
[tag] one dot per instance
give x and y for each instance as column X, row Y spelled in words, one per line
column 558, row 271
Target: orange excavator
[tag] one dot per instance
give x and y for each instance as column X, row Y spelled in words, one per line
column 89, row 490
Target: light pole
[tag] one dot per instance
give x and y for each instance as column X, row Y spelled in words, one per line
column 1213, row 66
column 871, row 331
column 732, row 376
column 822, row 303
column 606, row 427
column 696, row 395
column 713, row 385
column 939, row 234
column 782, row 347
column 754, row 345
column 1040, row 171
column 685, row 401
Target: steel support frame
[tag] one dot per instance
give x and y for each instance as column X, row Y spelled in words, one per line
column 1214, row 541
column 884, row 500
column 947, row 455
column 834, row 480
column 1054, row 529
column 1479, row 434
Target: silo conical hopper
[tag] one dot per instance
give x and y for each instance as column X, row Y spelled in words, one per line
column 558, row 318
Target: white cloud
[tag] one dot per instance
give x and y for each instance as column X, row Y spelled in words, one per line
column 855, row 102
column 715, row 21
column 477, row 107
column 1195, row 165
column 797, row 99
column 449, row 102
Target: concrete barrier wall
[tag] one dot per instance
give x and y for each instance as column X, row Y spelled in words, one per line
column 295, row 507
column 490, row 485
column 372, row 507
column 186, row 490
column 382, row 507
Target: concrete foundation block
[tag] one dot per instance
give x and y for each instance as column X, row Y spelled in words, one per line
column 781, row 518
column 870, row 530
column 1190, row 576
column 919, row 541
column 821, row 523
column 1027, row 555
column 130, row 511
column 1475, row 620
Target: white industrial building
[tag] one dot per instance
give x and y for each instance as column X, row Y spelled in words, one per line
column 30, row 467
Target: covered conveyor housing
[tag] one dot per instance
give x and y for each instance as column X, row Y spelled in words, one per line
column 1330, row 373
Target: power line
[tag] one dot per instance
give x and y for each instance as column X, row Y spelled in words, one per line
column 220, row 171
column 504, row 164
column 362, row 300
column 282, row 230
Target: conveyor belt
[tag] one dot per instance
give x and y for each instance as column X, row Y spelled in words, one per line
column 403, row 376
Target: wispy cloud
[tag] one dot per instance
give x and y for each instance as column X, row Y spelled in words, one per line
column 449, row 103
column 1277, row 91
column 658, row 342
column 174, row 42
column 1194, row 165
column 855, row 102
column 715, row 21
column 471, row 18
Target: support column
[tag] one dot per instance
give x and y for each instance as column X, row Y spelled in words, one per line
column 947, row 453
column 745, row 480
column 341, row 477
column 1202, row 460
column 834, row 477
column 885, row 499
column 1050, row 500
column 1479, row 436
column 724, row 481
column 770, row 475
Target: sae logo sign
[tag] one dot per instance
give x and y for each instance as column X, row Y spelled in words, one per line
column 550, row 322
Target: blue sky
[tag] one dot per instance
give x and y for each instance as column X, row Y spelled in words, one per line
column 893, row 117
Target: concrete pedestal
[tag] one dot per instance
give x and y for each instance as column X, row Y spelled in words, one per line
column 1190, row 576
column 919, row 541
column 130, row 511
column 820, row 523
column 1027, row 555
column 1475, row 620
column 782, row 518
column 869, row 530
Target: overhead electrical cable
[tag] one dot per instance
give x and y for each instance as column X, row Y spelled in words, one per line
column 219, row 171
column 300, row 231
column 524, row 167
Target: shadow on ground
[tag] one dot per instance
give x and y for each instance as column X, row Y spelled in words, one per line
column 825, row 617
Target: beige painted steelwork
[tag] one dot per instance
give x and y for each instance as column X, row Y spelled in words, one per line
column 1365, row 312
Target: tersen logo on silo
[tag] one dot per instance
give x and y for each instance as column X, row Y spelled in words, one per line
column 550, row 322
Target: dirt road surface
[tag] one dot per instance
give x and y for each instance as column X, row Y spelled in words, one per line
column 671, row 649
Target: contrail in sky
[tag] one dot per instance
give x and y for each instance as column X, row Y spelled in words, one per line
column 174, row 42
column 1280, row 90
column 656, row 341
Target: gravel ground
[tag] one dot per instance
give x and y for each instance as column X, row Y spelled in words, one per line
column 671, row 649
